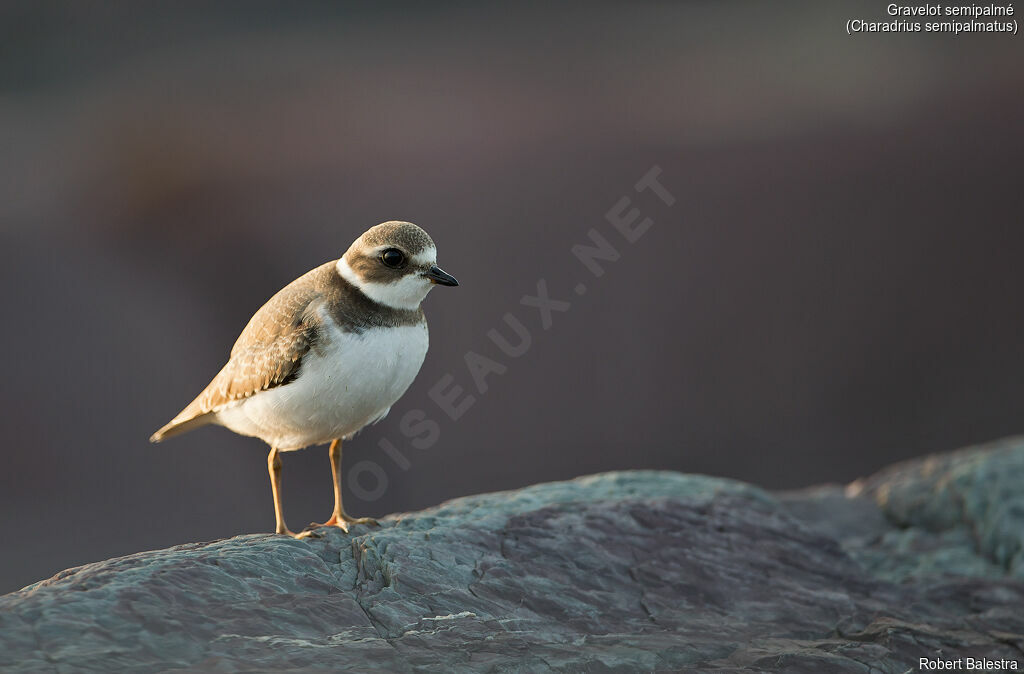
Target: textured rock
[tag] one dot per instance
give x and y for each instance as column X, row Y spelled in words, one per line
column 616, row 572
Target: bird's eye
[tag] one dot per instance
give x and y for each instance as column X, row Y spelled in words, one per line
column 393, row 258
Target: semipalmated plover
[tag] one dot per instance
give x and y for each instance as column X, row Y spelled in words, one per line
column 328, row 354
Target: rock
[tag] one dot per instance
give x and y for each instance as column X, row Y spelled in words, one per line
column 619, row 572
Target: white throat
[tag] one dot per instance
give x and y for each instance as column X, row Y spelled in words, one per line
column 406, row 293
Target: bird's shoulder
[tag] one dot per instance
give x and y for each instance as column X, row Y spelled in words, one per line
column 292, row 309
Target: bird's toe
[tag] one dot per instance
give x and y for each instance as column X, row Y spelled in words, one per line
column 363, row 520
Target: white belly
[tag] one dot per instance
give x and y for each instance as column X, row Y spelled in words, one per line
column 346, row 382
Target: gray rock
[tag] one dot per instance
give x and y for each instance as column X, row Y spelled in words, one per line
column 620, row 572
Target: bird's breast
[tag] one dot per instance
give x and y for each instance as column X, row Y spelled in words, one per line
column 367, row 371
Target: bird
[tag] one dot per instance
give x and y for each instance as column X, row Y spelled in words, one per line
column 327, row 355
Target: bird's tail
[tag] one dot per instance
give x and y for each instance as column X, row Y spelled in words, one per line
column 181, row 424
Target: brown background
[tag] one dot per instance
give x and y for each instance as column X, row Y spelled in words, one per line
column 836, row 287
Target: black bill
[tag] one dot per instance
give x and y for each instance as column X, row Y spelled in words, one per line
column 441, row 277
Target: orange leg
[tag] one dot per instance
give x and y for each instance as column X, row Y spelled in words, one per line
column 274, row 466
column 340, row 518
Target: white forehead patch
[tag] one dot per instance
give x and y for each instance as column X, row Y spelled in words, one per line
column 406, row 293
column 427, row 256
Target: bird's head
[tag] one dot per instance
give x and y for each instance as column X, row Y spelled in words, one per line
column 395, row 264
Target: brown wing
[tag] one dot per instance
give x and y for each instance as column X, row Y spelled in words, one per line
column 258, row 367
column 267, row 354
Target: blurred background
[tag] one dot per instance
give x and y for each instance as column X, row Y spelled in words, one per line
column 835, row 288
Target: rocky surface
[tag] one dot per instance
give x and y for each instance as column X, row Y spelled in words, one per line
column 632, row 571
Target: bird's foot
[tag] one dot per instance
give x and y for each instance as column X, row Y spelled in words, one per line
column 285, row 531
column 346, row 521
